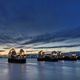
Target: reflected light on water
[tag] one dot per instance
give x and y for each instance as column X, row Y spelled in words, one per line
column 34, row 70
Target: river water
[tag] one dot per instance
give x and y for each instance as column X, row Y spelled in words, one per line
column 34, row 70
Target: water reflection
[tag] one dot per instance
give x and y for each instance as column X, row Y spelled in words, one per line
column 17, row 71
column 34, row 70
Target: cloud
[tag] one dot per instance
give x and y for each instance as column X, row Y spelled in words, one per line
column 62, row 46
column 39, row 23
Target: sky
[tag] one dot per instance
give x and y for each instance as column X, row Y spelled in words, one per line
column 40, row 23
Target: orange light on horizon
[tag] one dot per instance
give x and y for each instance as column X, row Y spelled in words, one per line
column 35, row 51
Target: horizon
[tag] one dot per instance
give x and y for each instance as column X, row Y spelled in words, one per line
column 36, row 50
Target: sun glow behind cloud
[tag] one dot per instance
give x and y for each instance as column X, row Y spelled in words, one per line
column 64, row 46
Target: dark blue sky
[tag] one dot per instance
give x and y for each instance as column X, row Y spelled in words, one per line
column 39, row 21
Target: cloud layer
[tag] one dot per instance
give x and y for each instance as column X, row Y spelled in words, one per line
column 40, row 23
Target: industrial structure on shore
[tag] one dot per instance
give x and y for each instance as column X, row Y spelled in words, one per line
column 14, row 57
column 57, row 55
column 20, row 57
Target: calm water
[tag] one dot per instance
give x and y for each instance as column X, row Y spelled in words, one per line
column 34, row 70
